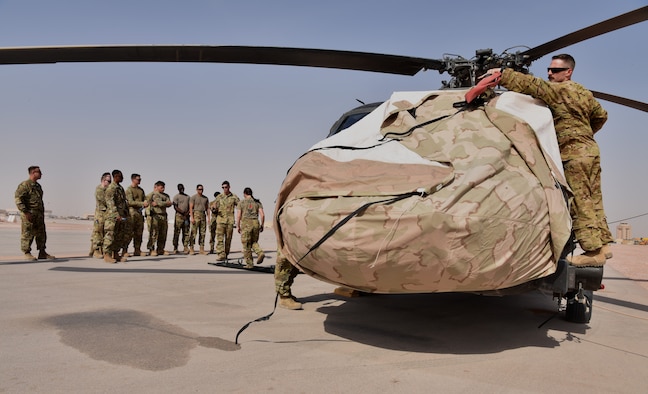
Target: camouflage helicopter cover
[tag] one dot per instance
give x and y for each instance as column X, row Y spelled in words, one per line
column 421, row 197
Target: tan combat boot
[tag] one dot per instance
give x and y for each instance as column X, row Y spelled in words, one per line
column 125, row 254
column 29, row 257
column 192, row 251
column 607, row 250
column 97, row 254
column 595, row 258
column 288, row 302
column 123, row 258
column 186, row 250
column 260, row 258
column 108, row 258
column 202, row 250
column 162, row 252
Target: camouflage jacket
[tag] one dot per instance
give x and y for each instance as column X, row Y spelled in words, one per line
column 116, row 204
column 135, row 197
column 162, row 201
column 225, row 206
column 29, row 197
column 100, row 200
column 577, row 115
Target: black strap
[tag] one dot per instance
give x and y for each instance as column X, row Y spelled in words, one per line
column 263, row 318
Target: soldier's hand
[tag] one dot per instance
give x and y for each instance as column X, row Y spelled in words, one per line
column 261, row 229
column 145, row 204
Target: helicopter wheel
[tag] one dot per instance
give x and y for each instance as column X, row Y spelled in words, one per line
column 579, row 306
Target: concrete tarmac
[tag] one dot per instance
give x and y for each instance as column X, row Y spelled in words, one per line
column 168, row 324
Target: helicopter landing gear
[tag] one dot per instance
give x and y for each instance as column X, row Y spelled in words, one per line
column 579, row 306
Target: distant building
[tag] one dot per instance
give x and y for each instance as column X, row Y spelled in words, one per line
column 624, row 232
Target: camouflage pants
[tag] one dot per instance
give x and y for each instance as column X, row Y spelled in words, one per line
column 199, row 226
column 135, row 229
column 224, row 231
column 115, row 235
column 250, row 239
column 31, row 230
column 284, row 275
column 159, row 229
column 98, row 232
column 590, row 224
column 212, row 232
column 181, row 224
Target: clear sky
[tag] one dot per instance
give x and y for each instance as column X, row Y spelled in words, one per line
column 205, row 123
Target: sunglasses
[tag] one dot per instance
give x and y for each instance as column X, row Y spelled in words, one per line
column 556, row 70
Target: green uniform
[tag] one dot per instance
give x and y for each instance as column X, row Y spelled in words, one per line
column 225, row 223
column 100, row 217
column 135, row 197
column 213, row 207
column 199, row 225
column 159, row 221
column 115, row 236
column 250, row 227
column 181, row 223
column 29, row 200
column 577, row 117
column 147, row 212
column 284, row 275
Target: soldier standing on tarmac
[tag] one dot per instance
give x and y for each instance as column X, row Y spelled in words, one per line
column 29, row 201
column 213, row 207
column 136, row 203
column 199, row 214
column 160, row 201
column 181, row 222
column 284, row 276
column 100, row 216
column 115, row 222
column 249, row 222
column 227, row 202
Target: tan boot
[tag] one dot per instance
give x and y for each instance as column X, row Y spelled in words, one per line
column 260, row 258
column 594, row 258
column 186, row 250
column 97, row 254
column 30, row 257
column 154, row 253
column 108, row 258
column 125, row 254
column 162, row 252
column 202, row 250
column 288, row 302
column 607, row 250
column 191, row 251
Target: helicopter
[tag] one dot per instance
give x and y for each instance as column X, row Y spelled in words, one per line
column 336, row 256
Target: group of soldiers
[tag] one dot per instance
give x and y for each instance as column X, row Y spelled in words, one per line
column 120, row 215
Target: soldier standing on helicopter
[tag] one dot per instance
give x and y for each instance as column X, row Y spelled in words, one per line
column 577, row 117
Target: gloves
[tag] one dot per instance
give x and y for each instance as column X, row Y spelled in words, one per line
column 488, row 81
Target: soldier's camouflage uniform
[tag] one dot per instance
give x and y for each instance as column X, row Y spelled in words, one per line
column 225, row 223
column 577, row 117
column 284, row 275
column 159, row 221
column 100, row 217
column 147, row 212
column 29, row 199
column 249, row 210
column 199, row 226
column 181, row 222
column 212, row 224
column 135, row 197
column 115, row 236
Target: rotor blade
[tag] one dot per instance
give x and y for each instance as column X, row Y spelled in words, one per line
column 621, row 100
column 363, row 61
column 621, row 21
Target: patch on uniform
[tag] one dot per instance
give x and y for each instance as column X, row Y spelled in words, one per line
column 238, row 263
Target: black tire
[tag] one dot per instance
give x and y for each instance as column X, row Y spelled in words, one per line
column 578, row 312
